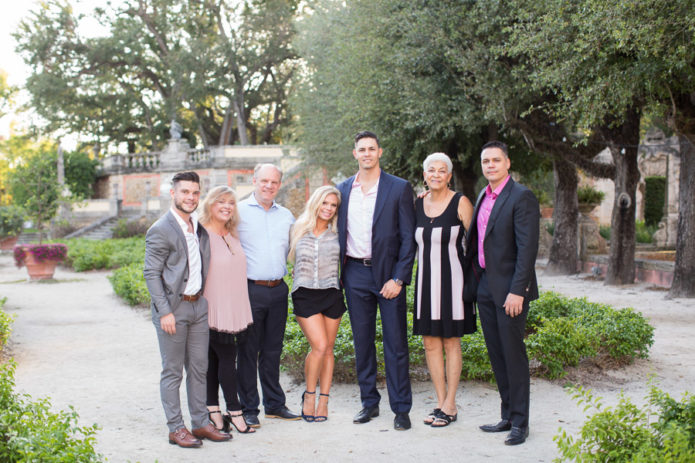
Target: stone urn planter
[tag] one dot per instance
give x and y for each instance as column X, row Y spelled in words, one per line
column 40, row 259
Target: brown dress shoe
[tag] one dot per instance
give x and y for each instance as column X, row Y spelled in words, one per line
column 183, row 438
column 212, row 433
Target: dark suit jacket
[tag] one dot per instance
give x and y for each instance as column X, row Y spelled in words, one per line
column 511, row 246
column 393, row 228
column 166, row 263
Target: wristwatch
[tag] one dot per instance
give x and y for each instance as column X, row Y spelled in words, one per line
column 398, row 282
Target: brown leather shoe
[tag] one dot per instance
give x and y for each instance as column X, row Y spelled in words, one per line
column 212, row 433
column 183, row 438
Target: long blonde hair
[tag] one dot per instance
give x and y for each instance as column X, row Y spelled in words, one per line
column 307, row 220
column 215, row 194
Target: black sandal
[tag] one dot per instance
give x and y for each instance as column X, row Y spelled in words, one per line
column 225, row 426
column 429, row 419
column 307, row 418
column 442, row 419
column 321, row 418
column 229, row 422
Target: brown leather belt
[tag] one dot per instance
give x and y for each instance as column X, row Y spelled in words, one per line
column 192, row 298
column 267, row 283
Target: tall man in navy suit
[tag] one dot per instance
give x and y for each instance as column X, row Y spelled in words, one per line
column 502, row 247
column 376, row 222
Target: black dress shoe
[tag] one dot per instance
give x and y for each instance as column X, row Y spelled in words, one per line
column 502, row 426
column 366, row 414
column 401, row 422
column 252, row 420
column 516, row 436
column 282, row 413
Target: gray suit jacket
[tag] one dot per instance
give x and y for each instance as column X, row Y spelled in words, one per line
column 166, row 263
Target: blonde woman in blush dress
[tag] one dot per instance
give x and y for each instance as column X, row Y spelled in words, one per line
column 441, row 316
column 316, row 295
column 229, row 310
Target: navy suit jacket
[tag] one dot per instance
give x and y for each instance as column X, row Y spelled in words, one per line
column 511, row 245
column 393, row 228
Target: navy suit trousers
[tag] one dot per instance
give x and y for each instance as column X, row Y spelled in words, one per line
column 362, row 296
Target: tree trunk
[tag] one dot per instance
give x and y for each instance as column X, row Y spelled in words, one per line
column 625, row 139
column 227, row 125
column 241, row 117
column 563, row 251
column 684, row 271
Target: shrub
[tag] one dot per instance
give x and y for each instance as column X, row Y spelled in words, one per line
column 5, row 324
column 11, row 221
column 643, row 232
column 30, row 431
column 654, row 199
column 550, row 228
column 605, row 232
column 589, row 195
column 626, row 432
column 129, row 283
column 84, row 254
column 128, row 228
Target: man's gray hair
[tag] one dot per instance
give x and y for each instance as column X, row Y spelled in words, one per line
column 266, row 164
column 434, row 157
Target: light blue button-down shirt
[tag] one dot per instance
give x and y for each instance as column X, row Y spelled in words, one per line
column 265, row 237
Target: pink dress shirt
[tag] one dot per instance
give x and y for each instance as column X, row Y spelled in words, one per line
column 484, row 212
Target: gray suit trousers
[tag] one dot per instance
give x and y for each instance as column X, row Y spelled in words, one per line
column 187, row 348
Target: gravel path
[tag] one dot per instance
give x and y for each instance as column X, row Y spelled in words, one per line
column 77, row 343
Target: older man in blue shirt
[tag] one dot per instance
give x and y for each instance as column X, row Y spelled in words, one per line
column 264, row 232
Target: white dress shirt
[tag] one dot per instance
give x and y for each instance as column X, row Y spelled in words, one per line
column 359, row 220
column 195, row 269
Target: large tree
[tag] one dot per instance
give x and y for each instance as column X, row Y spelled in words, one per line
column 213, row 65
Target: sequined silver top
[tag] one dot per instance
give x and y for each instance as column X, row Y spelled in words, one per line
column 316, row 262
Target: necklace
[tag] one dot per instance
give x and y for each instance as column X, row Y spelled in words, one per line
column 227, row 244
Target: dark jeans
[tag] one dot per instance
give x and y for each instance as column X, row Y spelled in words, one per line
column 261, row 352
column 222, row 372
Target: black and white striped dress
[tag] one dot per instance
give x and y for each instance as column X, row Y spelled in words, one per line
column 439, row 307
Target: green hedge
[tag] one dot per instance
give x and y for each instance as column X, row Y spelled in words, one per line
column 654, row 200
column 662, row 430
column 5, row 324
column 84, row 254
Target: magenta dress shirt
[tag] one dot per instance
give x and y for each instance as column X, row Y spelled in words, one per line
column 484, row 212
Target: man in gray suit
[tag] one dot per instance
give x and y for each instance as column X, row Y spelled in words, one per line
column 177, row 257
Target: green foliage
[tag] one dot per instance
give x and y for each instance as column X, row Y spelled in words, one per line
column 11, row 220
column 589, row 195
column 550, row 227
column 84, row 254
column 644, row 233
column 129, row 283
column 654, row 199
column 605, row 232
column 31, row 432
column 627, row 432
column 80, row 174
column 5, row 324
column 129, row 228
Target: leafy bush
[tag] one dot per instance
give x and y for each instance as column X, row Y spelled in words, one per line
column 605, row 232
column 589, row 195
column 627, row 432
column 5, row 324
column 643, row 232
column 31, row 432
column 654, row 199
column 84, row 254
column 11, row 221
column 128, row 228
column 550, row 227
column 129, row 283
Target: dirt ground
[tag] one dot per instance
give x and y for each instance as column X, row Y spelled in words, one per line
column 77, row 343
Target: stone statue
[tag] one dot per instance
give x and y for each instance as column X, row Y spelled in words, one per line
column 175, row 130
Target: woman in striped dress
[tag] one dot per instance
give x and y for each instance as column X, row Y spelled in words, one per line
column 441, row 317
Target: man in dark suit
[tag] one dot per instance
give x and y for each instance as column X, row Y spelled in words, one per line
column 177, row 257
column 376, row 222
column 502, row 247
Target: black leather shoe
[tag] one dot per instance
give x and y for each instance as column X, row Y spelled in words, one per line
column 517, row 436
column 401, row 422
column 282, row 413
column 366, row 414
column 252, row 420
column 502, row 426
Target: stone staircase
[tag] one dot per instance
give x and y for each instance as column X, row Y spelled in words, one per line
column 101, row 230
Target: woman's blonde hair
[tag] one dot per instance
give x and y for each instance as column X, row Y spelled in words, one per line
column 215, row 194
column 307, row 220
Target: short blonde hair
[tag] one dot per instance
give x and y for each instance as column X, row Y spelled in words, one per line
column 215, row 194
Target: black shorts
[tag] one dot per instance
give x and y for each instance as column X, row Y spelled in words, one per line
column 308, row 302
